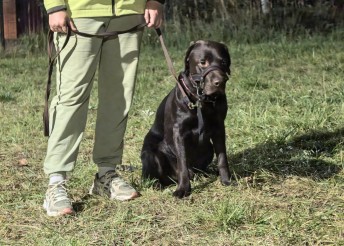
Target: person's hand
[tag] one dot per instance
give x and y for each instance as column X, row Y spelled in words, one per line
column 58, row 21
column 154, row 14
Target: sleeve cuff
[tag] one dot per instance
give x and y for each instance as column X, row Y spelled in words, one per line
column 56, row 9
column 160, row 1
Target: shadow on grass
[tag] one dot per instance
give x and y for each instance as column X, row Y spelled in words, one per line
column 308, row 155
column 79, row 206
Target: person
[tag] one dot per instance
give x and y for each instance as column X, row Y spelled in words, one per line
column 116, row 60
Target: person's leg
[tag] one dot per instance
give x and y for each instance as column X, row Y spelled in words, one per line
column 117, row 74
column 75, row 69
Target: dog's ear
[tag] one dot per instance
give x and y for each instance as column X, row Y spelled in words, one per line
column 187, row 55
column 186, row 59
column 227, row 59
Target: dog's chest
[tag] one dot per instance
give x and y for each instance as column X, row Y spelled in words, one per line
column 199, row 122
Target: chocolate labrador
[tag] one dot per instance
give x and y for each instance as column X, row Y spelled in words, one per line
column 189, row 125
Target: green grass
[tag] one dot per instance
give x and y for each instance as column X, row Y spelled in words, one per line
column 285, row 141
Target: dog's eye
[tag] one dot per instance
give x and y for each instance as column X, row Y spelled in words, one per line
column 202, row 61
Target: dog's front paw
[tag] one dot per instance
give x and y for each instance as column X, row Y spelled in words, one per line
column 226, row 182
column 181, row 193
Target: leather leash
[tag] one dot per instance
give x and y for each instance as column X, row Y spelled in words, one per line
column 169, row 62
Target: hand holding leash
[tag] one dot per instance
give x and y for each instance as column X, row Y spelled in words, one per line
column 59, row 22
column 154, row 14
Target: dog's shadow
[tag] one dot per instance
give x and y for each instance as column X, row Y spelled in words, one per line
column 307, row 155
column 304, row 156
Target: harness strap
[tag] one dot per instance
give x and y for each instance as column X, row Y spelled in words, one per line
column 186, row 88
column 200, row 124
column 199, row 77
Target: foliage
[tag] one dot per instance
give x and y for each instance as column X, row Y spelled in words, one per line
column 293, row 17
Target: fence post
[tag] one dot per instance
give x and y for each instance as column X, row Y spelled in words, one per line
column 2, row 36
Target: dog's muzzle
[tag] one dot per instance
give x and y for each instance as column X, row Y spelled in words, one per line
column 198, row 79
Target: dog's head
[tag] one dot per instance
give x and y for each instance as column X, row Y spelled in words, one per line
column 209, row 61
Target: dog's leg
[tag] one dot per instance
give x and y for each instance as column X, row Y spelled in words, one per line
column 219, row 142
column 184, row 185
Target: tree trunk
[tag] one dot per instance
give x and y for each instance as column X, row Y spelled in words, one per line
column 265, row 6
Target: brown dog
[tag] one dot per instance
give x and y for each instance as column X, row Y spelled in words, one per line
column 189, row 126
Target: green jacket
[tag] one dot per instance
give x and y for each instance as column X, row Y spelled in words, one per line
column 97, row 8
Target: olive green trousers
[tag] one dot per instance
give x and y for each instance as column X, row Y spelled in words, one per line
column 116, row 60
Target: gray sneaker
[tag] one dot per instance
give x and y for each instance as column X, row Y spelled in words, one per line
column 114, row 187
column 56, row 200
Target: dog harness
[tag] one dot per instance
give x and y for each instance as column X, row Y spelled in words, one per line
column 198, row 81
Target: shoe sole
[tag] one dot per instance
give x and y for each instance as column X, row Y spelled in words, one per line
column 119, row 198
column 125, row 198
column 66, row 211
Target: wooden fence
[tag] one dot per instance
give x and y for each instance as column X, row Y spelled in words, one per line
column 18, row 17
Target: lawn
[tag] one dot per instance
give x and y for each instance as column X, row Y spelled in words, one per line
column 285, row 142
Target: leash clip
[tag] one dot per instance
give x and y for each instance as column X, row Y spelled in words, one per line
column 197, row 104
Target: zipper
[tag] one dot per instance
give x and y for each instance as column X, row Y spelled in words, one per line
column 113, row 7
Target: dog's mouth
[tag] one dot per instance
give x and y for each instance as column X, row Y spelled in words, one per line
column 211, row 97
column 215, row 85
column 213, row 92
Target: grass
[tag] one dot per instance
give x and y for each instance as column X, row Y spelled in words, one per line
column 285, row 141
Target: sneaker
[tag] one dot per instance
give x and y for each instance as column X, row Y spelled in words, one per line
column 56, row 200
column 114, row 187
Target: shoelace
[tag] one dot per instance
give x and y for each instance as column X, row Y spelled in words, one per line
column 120, row 183
column 58, row 192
